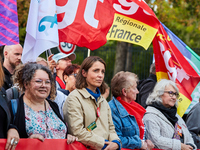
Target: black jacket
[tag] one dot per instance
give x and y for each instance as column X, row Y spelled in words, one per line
column 145, row 89
column 19, row 121
column 7, row 82
column 5, row 115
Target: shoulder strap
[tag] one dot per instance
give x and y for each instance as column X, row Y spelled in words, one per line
column 15, row 93
column 14, row 105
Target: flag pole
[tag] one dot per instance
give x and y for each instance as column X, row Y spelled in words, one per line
column 88, row 54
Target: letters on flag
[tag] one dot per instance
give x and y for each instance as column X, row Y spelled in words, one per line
column 134, row 22
column 192, row 58
column 42, row 31
column 9, row 32
column 84, row 23
column 171, row 64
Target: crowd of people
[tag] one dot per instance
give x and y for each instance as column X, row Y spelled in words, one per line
column 59, row 100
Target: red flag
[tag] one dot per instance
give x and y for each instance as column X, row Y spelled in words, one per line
column 134, row 22
column 171, row 64
column 84, row 23
column 48, row 144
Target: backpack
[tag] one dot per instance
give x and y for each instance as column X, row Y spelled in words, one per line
column 14, row 105
column 140, row 86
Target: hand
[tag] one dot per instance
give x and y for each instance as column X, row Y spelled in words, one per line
column 12, row 136
column 37, row 136
column 111, row 146
column 186, row 147
column 51, row 63
column 150, row 145
column 71, row 138
column 144, row 145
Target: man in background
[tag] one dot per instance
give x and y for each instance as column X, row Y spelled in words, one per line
column 145, row 87
column 12, row 57
column 62, row 61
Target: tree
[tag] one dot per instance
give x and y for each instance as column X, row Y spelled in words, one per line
column 23, row 9
column 181, row 17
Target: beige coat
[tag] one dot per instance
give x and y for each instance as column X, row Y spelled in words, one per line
column 80, row 111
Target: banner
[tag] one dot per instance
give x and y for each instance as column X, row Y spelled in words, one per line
column 48, row 144
column 192, row 58
column 171, row 64
column 134, row 22
column 9, row 32
column 84, row 23
column 42, row 29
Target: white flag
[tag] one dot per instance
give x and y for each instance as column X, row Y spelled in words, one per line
column 42, row 29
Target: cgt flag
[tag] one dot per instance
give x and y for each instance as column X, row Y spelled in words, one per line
column 171, row 64
column 9, row 32
column 84, row 23
column 134, row 22
column 192, row 58
column 42, row 31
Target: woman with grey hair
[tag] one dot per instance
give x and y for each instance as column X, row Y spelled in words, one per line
column 36, row 116
column 165, row 128
column 126, row 113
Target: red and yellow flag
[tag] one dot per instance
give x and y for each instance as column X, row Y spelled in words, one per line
column 134, row 22
column 171, row 64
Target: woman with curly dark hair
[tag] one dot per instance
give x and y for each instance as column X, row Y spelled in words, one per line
column 36, row 116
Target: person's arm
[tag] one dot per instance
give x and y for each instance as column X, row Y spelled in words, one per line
column 153, row 133
column 73, row 115
column 131, row 142
column 12, row 137
column 193, row 124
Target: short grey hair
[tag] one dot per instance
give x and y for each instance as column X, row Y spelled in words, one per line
column 158, row 91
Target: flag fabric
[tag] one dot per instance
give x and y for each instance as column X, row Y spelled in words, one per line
column 9, row 31
column 171, row 64
column 42, row 29
column 134, row 22
column 49, row 144
column 84, row 23
column 192, row 58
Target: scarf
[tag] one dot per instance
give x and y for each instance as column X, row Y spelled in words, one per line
column 60, row 82
column 170, row 114
column 95, row 95
column 137, row 111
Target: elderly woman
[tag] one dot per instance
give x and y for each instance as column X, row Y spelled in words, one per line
column 69, row 76
column 165, row 128
column 87, row 112
column 36, row 116
column 7, row 130
column 126, row 113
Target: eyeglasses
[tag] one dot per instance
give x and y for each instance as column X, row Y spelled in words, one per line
column 74, row 74
column 171, row 94
column 40, row 82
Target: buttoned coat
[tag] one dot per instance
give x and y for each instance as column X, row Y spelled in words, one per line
column 80, row 110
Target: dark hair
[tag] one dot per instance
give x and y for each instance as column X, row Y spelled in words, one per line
column 25, row 72
column 70, row 69
column 86, row 65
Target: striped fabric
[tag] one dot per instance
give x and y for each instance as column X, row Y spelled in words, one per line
column 9, row 33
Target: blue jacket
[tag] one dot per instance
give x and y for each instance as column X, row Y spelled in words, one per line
column 125, row 125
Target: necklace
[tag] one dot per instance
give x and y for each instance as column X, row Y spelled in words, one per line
column 46, row 117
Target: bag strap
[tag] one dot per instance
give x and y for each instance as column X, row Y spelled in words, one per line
column 14, row 105
column 15, row 93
